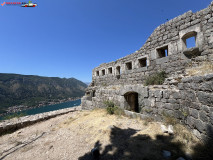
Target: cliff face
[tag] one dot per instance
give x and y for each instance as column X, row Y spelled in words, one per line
column 183, row 95
column 29, row 90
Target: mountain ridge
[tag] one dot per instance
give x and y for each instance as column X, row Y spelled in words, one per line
column 30, row 90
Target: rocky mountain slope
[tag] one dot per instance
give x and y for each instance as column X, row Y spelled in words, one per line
column 30, row 90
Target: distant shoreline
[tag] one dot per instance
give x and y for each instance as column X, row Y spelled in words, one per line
column 20, row 108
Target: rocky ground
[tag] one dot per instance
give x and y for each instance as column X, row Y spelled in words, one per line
column 73, row 135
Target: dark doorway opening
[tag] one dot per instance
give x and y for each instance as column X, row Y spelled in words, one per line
column 132, row 101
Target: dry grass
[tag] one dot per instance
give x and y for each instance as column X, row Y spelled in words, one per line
column 103, row 128
column 204, row 68
column 118, row 137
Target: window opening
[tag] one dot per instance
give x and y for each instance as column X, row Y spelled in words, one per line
column 110, row 70
column 142, row 62
column 103, row 72
column 97, row 73
column 129, row 65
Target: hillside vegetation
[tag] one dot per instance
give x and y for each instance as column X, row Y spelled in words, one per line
column 30, row 90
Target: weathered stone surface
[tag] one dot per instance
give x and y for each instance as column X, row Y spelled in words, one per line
column 211, row 118
column 188, row 98
column 203, row 116
column 194, row 113
column 205, row 98
column 200, row 126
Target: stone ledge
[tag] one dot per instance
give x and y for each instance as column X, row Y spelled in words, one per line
column 14, row 124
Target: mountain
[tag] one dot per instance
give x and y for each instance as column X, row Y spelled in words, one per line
column 87, row 83
column 30, row 90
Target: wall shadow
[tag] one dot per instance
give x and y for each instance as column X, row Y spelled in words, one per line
column 125, row 146
column 204, row 151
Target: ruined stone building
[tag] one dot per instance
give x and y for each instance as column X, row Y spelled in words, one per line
column 185, row 96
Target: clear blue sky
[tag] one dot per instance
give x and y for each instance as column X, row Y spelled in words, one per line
column 68, row 38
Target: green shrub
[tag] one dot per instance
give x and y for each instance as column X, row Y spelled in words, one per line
column 112, row 109
column 157, row 79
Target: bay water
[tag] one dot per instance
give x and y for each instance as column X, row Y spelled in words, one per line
column 49, row 108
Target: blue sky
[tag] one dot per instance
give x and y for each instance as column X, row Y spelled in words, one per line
column 68, row 38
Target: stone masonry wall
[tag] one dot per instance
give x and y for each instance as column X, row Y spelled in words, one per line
column 186, row 98
column 190, row 101
column 171, row 35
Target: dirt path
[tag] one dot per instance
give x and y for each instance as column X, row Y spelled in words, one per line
column 72, row 136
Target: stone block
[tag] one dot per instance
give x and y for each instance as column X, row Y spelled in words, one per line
column 166, row 94
column 197, row 79
column 158, row 94
column 211, row 117
column 176, row 95
column 208, row 77
column 205, row 98
column 207, row 86
column 210, row 20
column 200, row 126
column 176, row 106
column 196, row 133
column 180, row 86
column 193, row 113
column 205, row 108
column 144, row 92
column 159, row 104
column 178, row 114
column 173, row 101
column 195, row 105
column 162, row 60
column 186, row 104
column 168, row 106
column 203, row 116
column 190, row 96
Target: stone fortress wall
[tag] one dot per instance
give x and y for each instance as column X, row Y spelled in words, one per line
column 187, row 98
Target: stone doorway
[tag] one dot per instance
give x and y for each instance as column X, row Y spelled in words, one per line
column 131, row 101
